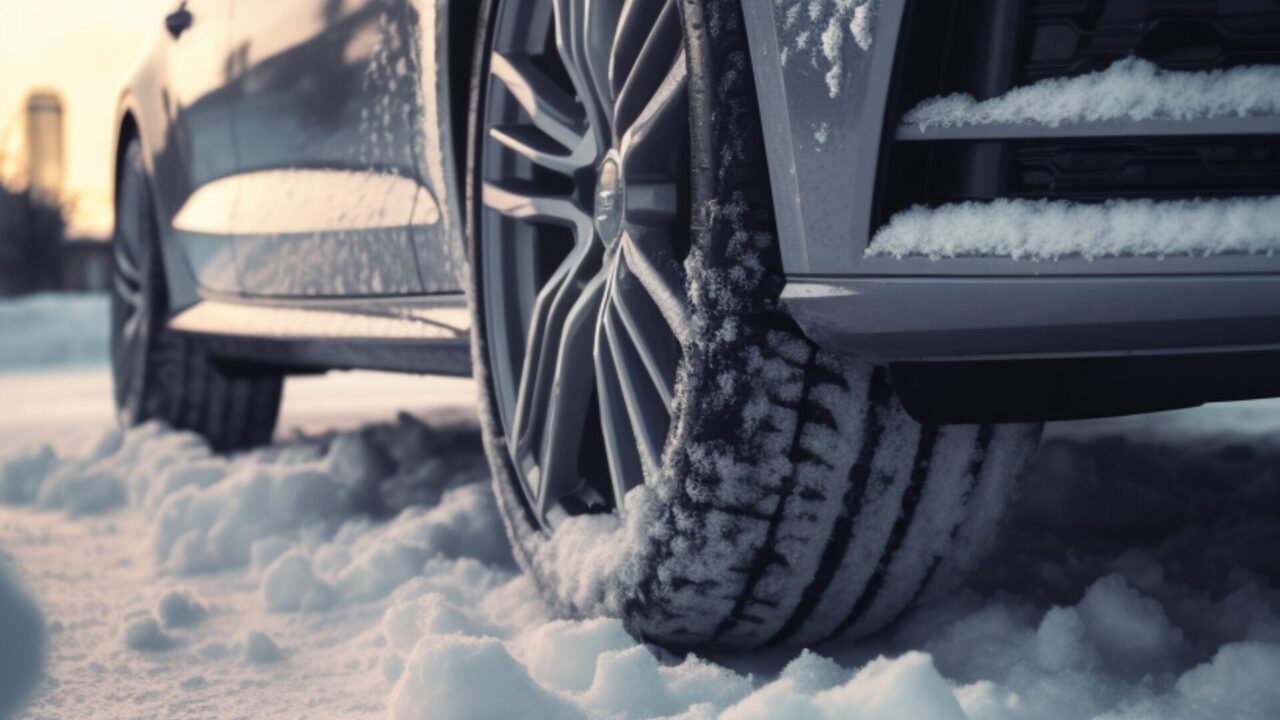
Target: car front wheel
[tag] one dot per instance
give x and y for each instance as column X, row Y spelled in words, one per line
column 667, row 446
column 157, row 373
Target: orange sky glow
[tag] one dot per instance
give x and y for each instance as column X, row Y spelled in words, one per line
column 85, row 50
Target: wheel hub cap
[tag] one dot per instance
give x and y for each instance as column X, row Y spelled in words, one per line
column 610, row 199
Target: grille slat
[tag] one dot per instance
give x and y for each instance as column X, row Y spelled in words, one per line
column 1229, row 126
column 984, row 48
column 1080, row 36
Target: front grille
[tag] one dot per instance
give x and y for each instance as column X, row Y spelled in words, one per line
column 1083, row 169
column 1071, row 37
column 986, row 47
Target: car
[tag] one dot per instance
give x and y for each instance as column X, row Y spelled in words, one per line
column 766, row 301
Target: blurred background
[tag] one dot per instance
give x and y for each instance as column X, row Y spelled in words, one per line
column 62, row 65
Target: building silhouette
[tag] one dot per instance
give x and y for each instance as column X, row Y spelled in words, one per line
column 35, row 253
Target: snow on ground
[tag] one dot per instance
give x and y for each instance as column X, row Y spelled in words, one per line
column 363, row 573
column 1130, row 89
column 1052, row 229
column 21, row 652
column 49, row 330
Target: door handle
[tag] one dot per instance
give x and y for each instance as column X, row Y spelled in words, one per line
column 178, row 21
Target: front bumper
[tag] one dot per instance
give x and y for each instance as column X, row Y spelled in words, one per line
column 832, row 121
column 975, row 317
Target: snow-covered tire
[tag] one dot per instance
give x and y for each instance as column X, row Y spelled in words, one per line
column 795, row 499
column 158, row 374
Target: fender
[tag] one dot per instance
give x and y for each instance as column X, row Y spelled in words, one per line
column 140, row 113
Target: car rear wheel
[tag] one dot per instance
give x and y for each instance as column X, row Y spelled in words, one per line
column 667, row 446
column 157, row 373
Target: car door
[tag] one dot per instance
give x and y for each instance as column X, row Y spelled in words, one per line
column 199, row 152
column 324, row 130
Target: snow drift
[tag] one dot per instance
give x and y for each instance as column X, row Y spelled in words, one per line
column 324, row 495
column 1135, row 580
column 21, row 643
column 1130, row 89
column 1136, row 577
column 1053, row 229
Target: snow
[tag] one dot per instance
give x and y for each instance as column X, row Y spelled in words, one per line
column 1053, row 229
column 1131, row 628
column 144, row 635
column 363, row 572
column 53, row 331
column 440, row 681
column 212, row 513
column 259, row 648
column 1129, row 89
column 180, row 609
column 860, row 25
column 811, row 688
column 290, row 585
column 23, row 630
column 817, row 30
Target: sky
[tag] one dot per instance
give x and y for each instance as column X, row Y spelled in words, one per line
column 85, row 50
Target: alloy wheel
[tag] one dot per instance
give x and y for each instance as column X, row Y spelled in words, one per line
column 583, row 228
column 129, row 305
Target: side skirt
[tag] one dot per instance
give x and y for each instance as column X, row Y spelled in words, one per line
column 426, row 334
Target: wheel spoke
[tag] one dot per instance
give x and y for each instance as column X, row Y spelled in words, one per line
column 527, row 206
column 626, row 470
column 600, row 22
column 648, row 256
column 126, row 266
column 130, row 293
column 634, row 25
column 571, row 40
column 652, row 65
column 648, row 332
column 520, row 425
column 132, row 330
column 646, row 145
column 644, row 409
column 534, row 147
column 542, row 351
column 551, row 109
column 570, row 396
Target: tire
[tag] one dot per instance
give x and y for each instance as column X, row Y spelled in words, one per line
column 157, row 373
column 793, row 498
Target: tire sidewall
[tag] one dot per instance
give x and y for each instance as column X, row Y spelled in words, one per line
column 517, row 515
column 134, row 200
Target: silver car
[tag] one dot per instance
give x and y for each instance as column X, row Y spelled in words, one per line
column 765, row 300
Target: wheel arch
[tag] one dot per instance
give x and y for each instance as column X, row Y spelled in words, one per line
column 126, row 131
column 464, row 18
column 130, row 125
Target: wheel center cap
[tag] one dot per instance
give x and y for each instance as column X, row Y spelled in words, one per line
column 609, row 199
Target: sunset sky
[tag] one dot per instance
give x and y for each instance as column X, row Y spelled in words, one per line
column 84, row 49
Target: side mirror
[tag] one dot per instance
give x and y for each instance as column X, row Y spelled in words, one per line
column 178, row 21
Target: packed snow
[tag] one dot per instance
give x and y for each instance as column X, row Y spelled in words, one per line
column 1053, row 229
column 1130, row 89
column 364, row 573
